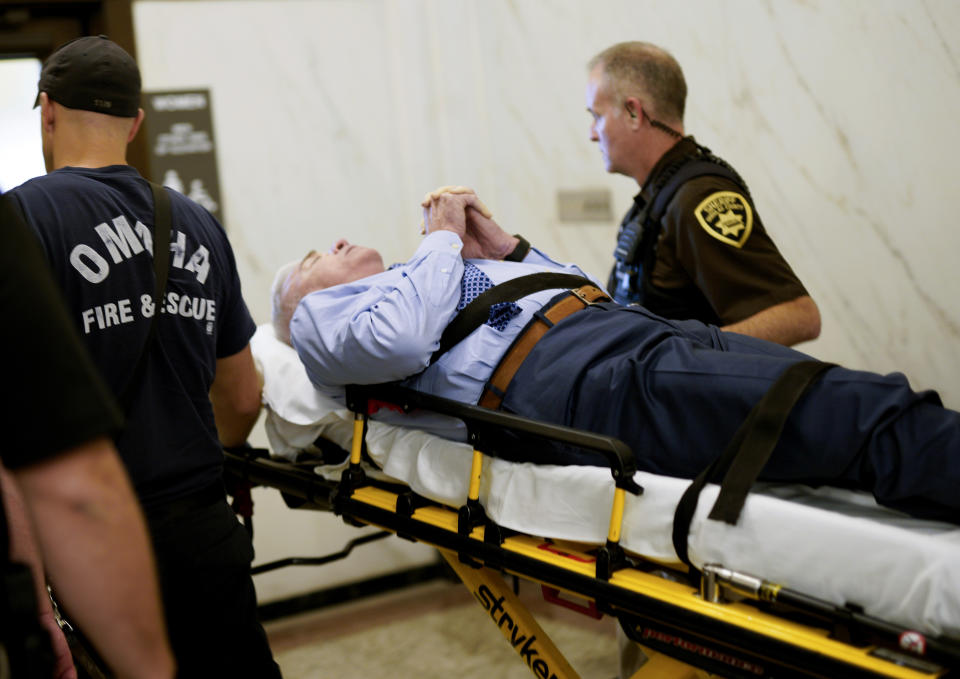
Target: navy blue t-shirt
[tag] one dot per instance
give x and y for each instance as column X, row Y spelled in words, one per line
column 96, row 226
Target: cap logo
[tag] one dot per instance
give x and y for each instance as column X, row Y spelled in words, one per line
column 102, row 103
column 726, row 216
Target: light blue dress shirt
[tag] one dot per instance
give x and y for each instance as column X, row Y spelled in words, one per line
column 385, row 327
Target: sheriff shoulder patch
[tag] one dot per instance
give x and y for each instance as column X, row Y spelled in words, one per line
column 726, row 216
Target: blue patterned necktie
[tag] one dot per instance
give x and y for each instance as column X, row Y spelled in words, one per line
column 475, row 282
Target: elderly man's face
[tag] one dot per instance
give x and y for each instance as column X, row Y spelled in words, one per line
column 343, row 263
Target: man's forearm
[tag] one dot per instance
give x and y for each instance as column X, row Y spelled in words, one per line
column 24, row 550
column 93, row 537
column 235, row 396
column 787, row 323
column 23, row 547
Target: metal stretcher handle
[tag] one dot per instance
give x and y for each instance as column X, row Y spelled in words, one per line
column 849, row 621
column 481, row 421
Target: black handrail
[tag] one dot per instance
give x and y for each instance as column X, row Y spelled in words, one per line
column 482, row 422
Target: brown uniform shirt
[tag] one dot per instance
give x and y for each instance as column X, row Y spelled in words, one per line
column 712, row 239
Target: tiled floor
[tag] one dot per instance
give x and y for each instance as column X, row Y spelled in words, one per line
column 430, row 631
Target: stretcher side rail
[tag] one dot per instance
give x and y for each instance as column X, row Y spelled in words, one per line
column 482, row 426
column 247, row 466
column 482, row 422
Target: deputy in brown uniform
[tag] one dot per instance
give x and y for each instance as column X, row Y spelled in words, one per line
column 692, row 245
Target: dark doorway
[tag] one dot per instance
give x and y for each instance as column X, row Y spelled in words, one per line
column 33, row 30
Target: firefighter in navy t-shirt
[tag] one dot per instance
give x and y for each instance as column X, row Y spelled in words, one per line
column 65, row 493
column 197, row 389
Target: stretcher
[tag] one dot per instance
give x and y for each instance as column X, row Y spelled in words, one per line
column 809, row 583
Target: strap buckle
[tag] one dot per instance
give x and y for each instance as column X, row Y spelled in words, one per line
column 589, row 295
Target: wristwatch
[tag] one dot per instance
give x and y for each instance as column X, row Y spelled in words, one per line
column 519, row 252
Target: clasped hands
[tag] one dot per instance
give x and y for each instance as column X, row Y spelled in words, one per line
column 458, row 209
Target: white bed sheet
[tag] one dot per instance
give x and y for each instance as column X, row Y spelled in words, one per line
column 830, row 543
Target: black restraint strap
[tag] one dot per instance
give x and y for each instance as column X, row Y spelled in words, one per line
column 162, row 224
column 747, row 453
column 477, row 312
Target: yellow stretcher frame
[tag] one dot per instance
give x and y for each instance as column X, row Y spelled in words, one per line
column 688, row 631
column 541, row 557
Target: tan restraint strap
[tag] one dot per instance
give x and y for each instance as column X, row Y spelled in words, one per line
column 578, row 300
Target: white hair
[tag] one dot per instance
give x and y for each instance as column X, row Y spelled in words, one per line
column 282, row 304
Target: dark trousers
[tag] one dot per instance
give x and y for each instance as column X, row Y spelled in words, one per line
column 204, row 555
column 676, row 392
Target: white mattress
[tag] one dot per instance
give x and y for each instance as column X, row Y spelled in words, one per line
column 830, row 543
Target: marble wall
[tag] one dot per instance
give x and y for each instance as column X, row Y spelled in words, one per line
column 333, row 117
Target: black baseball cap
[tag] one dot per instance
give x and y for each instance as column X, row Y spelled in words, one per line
column 93, row 74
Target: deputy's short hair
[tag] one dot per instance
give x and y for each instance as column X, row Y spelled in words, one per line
column 648, row 72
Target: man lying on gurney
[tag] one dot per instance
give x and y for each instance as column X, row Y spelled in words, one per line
column 675, row 392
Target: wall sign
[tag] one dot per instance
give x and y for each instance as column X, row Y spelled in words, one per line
column 183, row 156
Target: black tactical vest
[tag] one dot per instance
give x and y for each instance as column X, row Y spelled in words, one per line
column 631, row 277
